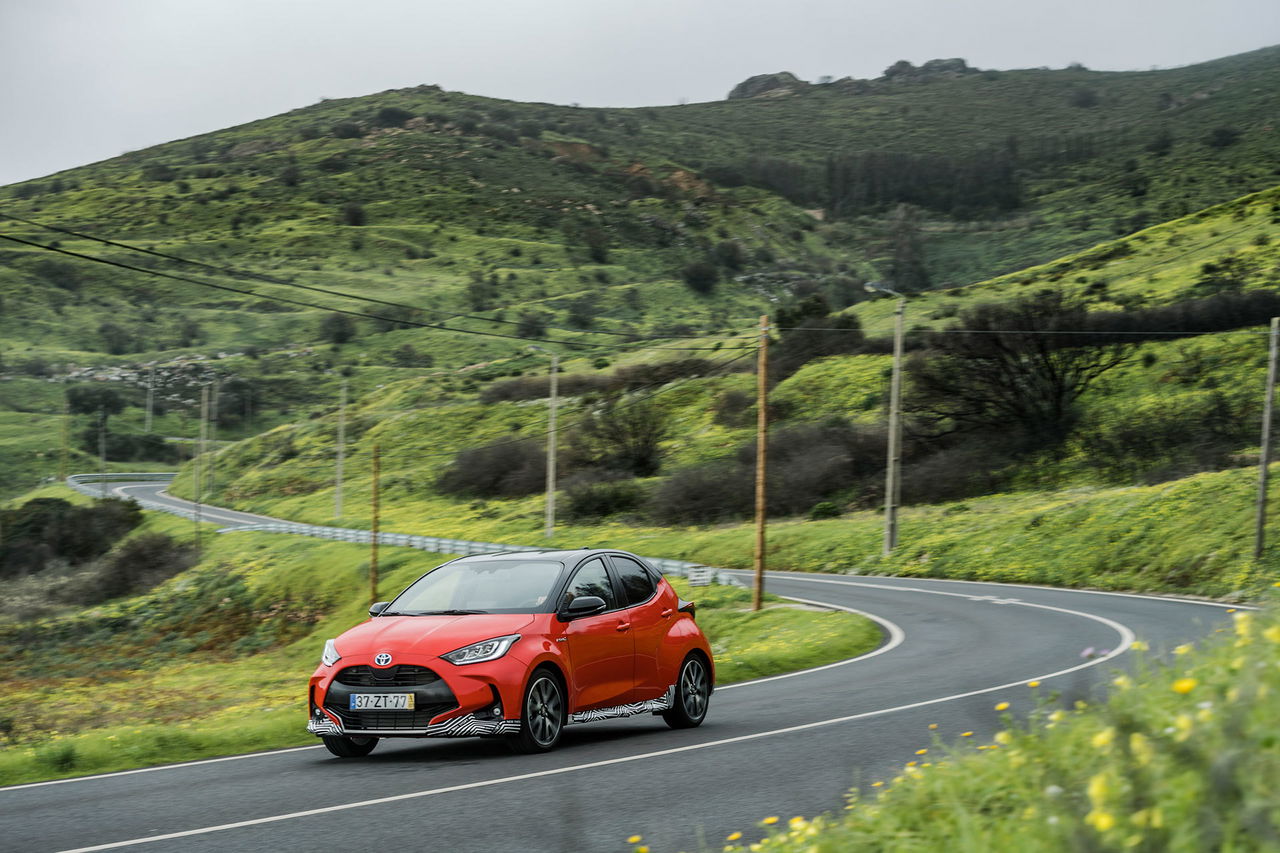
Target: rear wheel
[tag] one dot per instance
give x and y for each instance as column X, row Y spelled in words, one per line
column 693, row 695
column 542, row 717
column 350, row 747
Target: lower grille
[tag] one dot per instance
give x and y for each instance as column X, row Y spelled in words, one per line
column 389, row 720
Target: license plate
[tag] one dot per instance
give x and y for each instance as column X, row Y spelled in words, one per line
column 381, row 701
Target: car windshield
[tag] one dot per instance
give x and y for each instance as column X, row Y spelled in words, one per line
column 480, row 586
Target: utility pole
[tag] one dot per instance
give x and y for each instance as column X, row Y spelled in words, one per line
column 373, row 539
column 102, row 451
column 1264, row 464
column 66, row 439
column 893, row 472
column 213, row 434
column 151, row 398
column 199, row 465
column 762, row 451
column 342, row 452
column 550, row 524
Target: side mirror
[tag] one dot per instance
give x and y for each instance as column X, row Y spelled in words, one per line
column 378, row 608
column 583, row 605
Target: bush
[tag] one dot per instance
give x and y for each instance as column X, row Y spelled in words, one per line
column 44, row 530
column 703, row 494
column 594, row 500
column 137, row 565
column 353, row 214
column 824, row 509
column 337, row 328
column 346, row 130
column 504, row 469
column 392, row 117
column 700, row 276
column 1222, row 137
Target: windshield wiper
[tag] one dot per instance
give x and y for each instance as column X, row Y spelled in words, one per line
column 448, row 612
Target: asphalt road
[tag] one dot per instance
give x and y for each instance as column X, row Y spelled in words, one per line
column 782, row 746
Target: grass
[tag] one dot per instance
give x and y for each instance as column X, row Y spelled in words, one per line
column 215, row 660
column 1182, row 756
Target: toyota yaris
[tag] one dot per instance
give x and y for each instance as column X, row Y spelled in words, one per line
column 518, row 645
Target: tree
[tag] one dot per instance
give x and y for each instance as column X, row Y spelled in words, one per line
column 1002, row 367
column 337, row 328
column 1222, row 137
column 701, row 276
column 117, row 339
column 809, row 331
column 907, row 270
column 622, row 436
column 353, row 214
column 532, row 324
column 392, row 117
column 93, row 399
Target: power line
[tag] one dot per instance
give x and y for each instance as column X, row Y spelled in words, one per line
column 348, row 312
column 239, row 273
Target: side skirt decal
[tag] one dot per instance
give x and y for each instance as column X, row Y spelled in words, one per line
column 648, row 706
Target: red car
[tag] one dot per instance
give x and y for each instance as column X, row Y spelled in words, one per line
column 518, row 644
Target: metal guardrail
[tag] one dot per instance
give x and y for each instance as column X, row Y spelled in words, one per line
column 91, row 485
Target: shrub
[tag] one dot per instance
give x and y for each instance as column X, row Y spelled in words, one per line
column 353, row 214
column 158, row 172
column 503, row 469
column 700, row 276
column 392, row 117
column 593, row 500
column 346, row 130
column 137, row 565
column 337, row 328
column 703, row 494
column 1222, row 137
column 824, row 509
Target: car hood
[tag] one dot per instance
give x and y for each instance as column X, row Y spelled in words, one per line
column 427, row 635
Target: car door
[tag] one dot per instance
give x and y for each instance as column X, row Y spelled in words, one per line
column 601, row 650
column 650, row 620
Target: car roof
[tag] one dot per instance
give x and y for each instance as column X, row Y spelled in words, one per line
column 561, row 555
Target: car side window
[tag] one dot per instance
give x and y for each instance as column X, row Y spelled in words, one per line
column 638, row 585
column 591, row 579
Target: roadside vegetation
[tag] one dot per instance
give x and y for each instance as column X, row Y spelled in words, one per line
column 1182, row 755
column 214, row 660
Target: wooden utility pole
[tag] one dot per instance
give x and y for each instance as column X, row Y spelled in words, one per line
column 151, row 398
column 1264, row 464
column 373, row 539
column 342, row 451
column 213, row 435
column 762, row 450
column 66, row 439
column 549, row 526
column 102, row 452
column 199, row 466
column 893, row 474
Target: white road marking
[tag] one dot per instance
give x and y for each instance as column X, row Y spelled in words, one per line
column 1126, row 639
column 157, row 767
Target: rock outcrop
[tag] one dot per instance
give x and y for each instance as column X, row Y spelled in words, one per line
column 768, row 86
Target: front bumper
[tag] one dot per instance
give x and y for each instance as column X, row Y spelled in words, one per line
column 448, row 701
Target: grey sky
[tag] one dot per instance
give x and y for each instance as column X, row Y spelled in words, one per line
column 84, row 80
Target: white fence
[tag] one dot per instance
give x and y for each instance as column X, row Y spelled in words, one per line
column 91, row 485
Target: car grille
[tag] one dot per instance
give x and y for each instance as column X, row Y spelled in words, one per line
column 389, row 720
column 405, row 675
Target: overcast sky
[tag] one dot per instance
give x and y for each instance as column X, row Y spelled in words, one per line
column 84, row 80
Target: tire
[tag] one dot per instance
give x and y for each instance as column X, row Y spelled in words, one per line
column 542, row 714
column 693, row 695
column 350, row 747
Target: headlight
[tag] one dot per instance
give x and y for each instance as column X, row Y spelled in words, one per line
column 479, row 652
column 330, row 654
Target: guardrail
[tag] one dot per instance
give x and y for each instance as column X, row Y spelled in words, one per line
column 91, row 485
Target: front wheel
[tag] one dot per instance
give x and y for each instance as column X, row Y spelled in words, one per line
column 350, row 747
column 693, row 695
column 542, row 719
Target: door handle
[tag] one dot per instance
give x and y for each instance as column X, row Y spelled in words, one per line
column 624, row 626
column 666, row 613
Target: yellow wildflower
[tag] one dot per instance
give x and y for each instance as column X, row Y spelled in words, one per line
column 873, row 784
column 733, row 836
column 1182, row 725
column 1098, row 789
column 635, row 839
column 1182, row 649
column 797, row 822
column 1003, row 738
column 966, row 734
column 1101, row 821
column 1103, row 739
column 770, row 820
column 1003, row 706
column 1033, row 684
column 1272, row 634
column 921, row 751
column 1057, row 716
column 1244, row 624
column 1139, row 646
column 1124, row 682
column 933, row 725
column 1184, row 685
column 1140, row 746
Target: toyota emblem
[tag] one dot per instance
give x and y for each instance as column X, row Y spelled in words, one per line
column 383, row 659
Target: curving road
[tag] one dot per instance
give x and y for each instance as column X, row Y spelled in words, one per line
column 779, row 746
